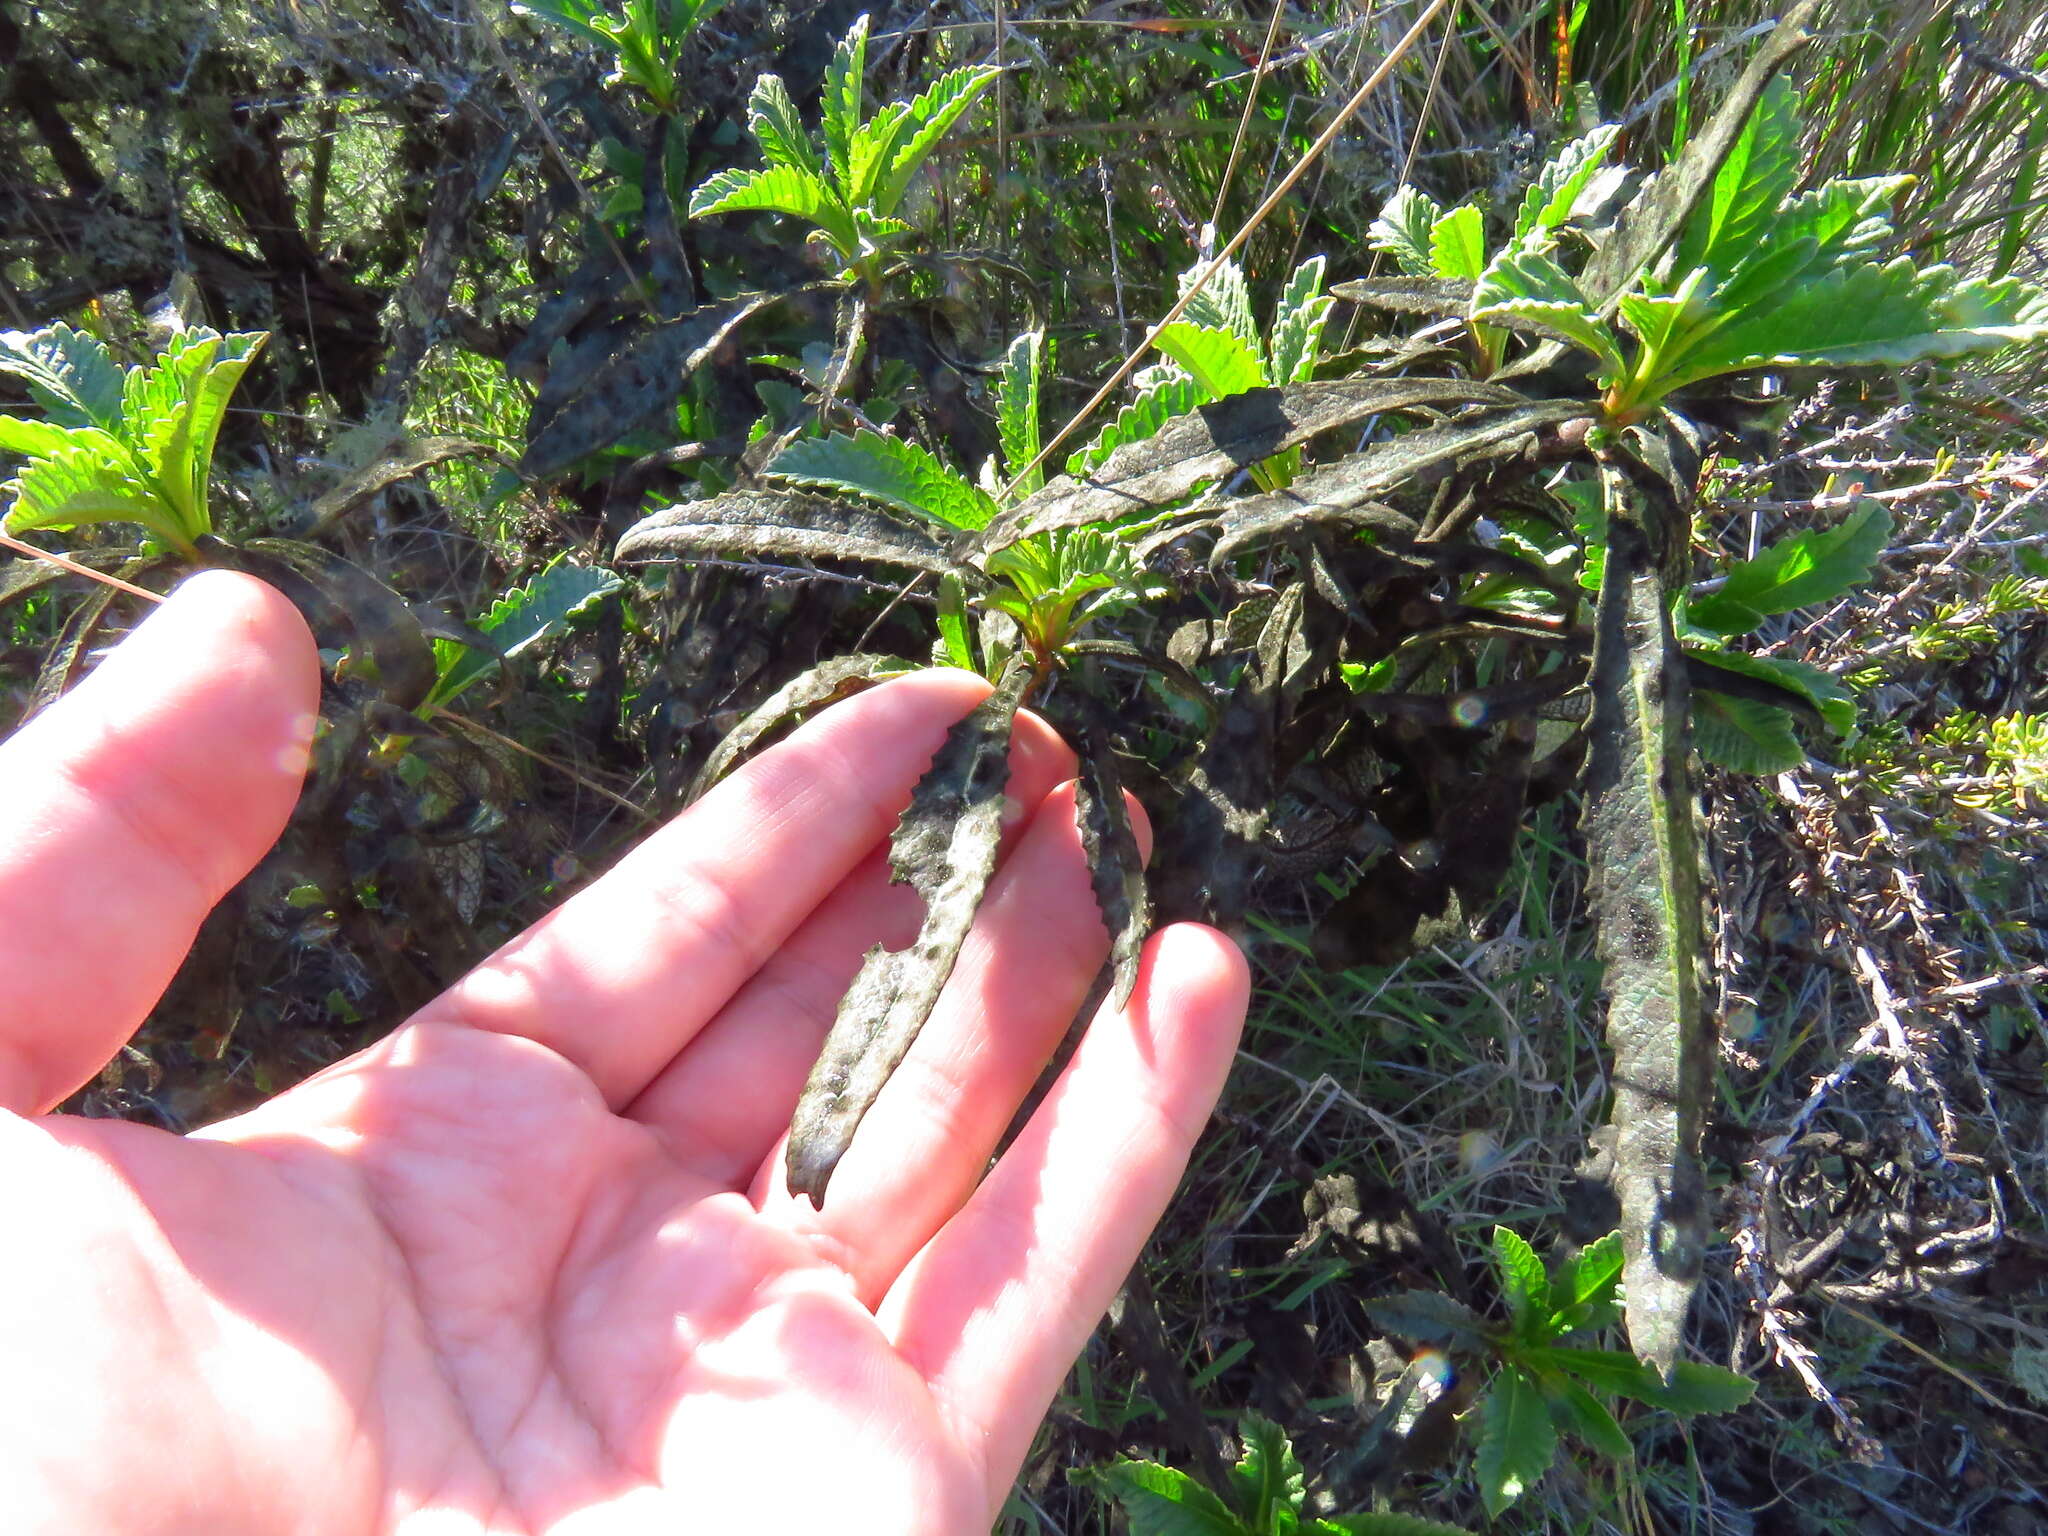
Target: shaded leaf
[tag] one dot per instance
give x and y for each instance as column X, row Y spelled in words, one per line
column 887, row 470
column 1160, row 1501
column 1516, row 1440
column 1590, row 1276
column 516, row 622
column 1266, row 1484
column 954, row 630
column 69, row 373
column 1575, row 1411
column 1383, row 1525
column 1690, row 1388
column 65, row 657
column 575, row 416
column 826, row 683
column 945, row 848
column 839, row 111
column 764, row 523
column 342, row 599
column 23, row 574
column 932, row 114
column 1744, row 736
column 1795, row 684
column 1429, row 1317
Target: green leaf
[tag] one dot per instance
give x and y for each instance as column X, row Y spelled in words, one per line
column 1017, row 407
column 1405, row 230
column 1845, row 218
column 772, row 118
column 1163, row 1502
column 1556, row 191
column 1266, row 1484
column 1516, row 1440
column 1525, row 289
column 518, row 621
column 1693, row 1388
column 932, row 114
column 839, row 111
column 1588, row 1278
column 1812, row 566
column 1141, row 419
column 1522, row 1279
column 1220, row 360
column 173, row 410
column 18, row 434
column 1743, row 735
column 1382, row 1525
column 1736, row 215
column 1298, row 321
column 1834, row 703
column 1892, row 314
column 954, row 633
column 887, row 470
column 779, row 189
column 1457, row 245
column 69, row 373
column 1575, row 1411
column 1224, row 303
column 77, row 485
column 1429, row 1317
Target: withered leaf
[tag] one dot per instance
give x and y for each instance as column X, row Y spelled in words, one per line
column 66, row 657
column 1115, row 866
column 945, row 848
column 1444, row 297
column 1341, row 491
column 403, row 462
column 1643, row 865
column 25, row 574
column 1217, row 438
column 791, row 525
column 582, row 409
column 826, row 683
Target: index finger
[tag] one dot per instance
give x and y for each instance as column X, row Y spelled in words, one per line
column 620, row 978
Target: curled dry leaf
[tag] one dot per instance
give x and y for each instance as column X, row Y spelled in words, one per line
column 826, row 683
column 945, row 848
column 1214, row 439
column 786, row 524
column 1116, row 867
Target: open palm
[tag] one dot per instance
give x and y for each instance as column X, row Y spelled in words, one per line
column 528, row 1264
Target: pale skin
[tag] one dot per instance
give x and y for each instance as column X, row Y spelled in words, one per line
column 529, row 1264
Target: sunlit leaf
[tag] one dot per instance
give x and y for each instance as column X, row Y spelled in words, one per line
column 1298, row 321
column 1516, row 1440
column 887, row 470
column 1405, row 230
column 69, row 373
column 1457, row 245
column 932, row 113
column 1556, row 191
column 839, row 111
column 1757, row 176
column 1017, row 406
column 1222, row 362
column 1801, row 569
column 778, row 189
column 1267, row 1483
column 772, row 119
column 1224, row 303
column 1744, row 736
column 1526, row 290
column 1160, row 1501
column 1522, row 1278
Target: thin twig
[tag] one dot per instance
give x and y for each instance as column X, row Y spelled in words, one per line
column 51, row 557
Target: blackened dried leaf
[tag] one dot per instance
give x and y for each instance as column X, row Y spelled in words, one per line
column 25, row 574
column 1209, row 847
column 1115, row 866
column 1172, row 671
column 1434, row 296
column 1654, row 220
column 582, row 409
column 945, row 848
column 66, row 657
column 1643, row 863
column 826, row 683
column 1344, row 491
column 1215, row 439
column 787, row 524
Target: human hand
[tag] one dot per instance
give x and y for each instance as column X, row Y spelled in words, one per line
column 528, row 1264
